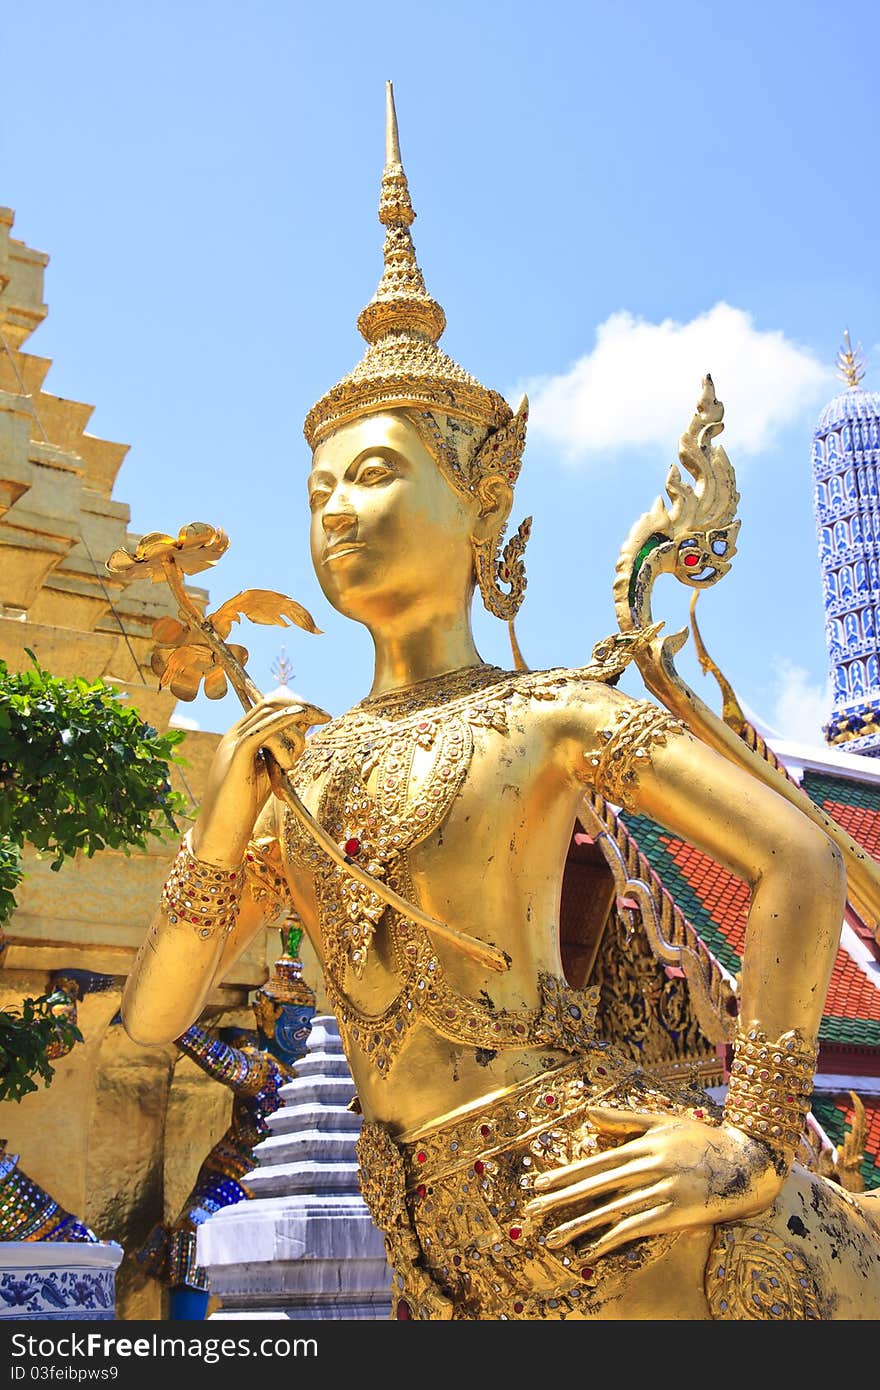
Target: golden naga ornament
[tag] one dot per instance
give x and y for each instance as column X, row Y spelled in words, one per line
column 693, row 537
column 520, row 1165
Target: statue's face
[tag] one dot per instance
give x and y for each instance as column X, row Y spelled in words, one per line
column 390, row 537
column 292, row 1028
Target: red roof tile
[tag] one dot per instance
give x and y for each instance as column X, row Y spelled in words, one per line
column 851, row 995
column 863, row 825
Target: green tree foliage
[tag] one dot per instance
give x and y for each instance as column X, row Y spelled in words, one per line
column 26, row 1037
column 79, row 771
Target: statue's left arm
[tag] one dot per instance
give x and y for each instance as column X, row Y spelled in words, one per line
column 676, row 1172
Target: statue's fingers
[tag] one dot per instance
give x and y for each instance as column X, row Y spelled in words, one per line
column 629, row 1206
column 606, row 1161
column 614, row 1121
column 653, row 1221
column 271, row 722
column 622, row 1175
column 297, row 711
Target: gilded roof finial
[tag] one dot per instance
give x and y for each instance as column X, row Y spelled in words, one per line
column 401, row 304
column 850, row 362
column 282, row 668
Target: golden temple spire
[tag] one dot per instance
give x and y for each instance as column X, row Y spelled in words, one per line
column 850, row 362
column 401, row 304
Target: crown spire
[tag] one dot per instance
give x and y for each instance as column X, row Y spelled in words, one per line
column 850, row 362
column 401, row 303
column 403, row 366
column 392, row 139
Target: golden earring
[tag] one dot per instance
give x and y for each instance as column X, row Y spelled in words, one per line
column 502, row 578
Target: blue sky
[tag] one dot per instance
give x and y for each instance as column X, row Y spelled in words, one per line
column 611, row 200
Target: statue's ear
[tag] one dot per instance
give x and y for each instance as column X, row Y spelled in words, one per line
column 495, row 497
column 495, row 470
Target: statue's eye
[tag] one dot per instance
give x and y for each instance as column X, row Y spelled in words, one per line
column 317, row 497
column 374, row 471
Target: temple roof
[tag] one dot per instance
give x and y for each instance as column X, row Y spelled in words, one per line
column 716, row 903
column 851, row 404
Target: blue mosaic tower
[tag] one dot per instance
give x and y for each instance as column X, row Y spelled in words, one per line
column 846, row 503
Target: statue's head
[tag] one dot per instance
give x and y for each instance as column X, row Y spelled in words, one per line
column 413, row 460
column 285, row 1005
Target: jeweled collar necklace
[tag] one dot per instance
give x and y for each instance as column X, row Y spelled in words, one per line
column 436, row 690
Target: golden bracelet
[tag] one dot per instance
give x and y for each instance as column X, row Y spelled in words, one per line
column 768, row 1094
column 202, row 894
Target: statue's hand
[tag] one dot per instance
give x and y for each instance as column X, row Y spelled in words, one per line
column 238, row 780
column 677, row 1172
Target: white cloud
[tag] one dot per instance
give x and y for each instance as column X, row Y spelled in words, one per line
column 800, row 708
column 183, row 721
column 641, row 382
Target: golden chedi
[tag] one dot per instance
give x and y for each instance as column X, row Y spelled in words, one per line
column 519, row 1165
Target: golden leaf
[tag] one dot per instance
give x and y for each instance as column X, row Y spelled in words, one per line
column 154, row 544
column 169, row 631
column 262, row 606
column 215, row 683
column 185, row 686
column 186, row 661
column 182, row 668
column 198, row 546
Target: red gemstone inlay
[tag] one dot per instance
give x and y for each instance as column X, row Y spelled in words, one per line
column 485, row 1131
column 600, row 1071
column 698, row 1114
column 549, row 1100
column 515, row 1232
column 587, row 1272
column 518, row 1307
column 691, row 560
column 352, row 846
column 403, row 1310
column 421, row 1156
column 479, row 1166
column 421, row 1192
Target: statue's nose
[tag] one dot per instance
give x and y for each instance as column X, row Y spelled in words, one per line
column 339, row 522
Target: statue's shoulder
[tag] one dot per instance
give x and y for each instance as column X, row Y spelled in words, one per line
column 594, row 681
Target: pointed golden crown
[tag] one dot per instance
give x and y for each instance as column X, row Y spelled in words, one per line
column 402, row 365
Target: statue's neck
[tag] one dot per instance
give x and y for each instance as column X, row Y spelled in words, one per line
column 421, row 651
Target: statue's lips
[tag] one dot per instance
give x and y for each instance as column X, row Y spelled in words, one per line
column 336, row 552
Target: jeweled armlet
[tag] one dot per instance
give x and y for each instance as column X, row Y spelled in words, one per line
column 201, row 894
column 625, row 748
column 265, row 881
column 770, row 1086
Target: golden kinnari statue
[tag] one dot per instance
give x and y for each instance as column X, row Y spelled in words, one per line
column 520, row 1166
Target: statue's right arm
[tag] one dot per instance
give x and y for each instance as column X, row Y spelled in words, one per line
column 186, row 950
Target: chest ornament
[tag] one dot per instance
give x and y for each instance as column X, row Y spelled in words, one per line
column 388, row 775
